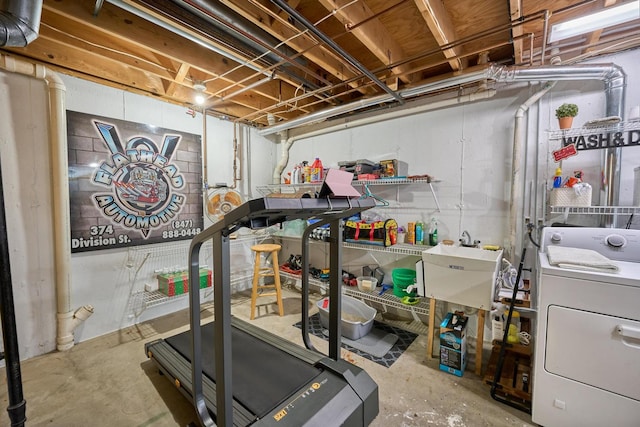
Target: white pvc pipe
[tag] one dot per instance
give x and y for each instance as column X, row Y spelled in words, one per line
column 517, row 184
column 393, row 114
column 67, row 320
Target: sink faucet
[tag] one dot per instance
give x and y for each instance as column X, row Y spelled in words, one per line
column 466, row 239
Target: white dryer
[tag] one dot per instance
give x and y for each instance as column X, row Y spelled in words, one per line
column 587, row 348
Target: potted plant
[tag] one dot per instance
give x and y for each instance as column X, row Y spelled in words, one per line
column 565, row 114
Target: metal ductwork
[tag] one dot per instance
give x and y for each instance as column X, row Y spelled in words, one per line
column 612, row 75
column 19, row 22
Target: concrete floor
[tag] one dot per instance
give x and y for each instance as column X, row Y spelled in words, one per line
column 108, row 381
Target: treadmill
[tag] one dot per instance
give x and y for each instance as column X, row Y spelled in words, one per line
column 238, row 374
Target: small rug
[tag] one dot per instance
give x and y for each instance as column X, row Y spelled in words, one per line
column 403, row 340
column 377, row 343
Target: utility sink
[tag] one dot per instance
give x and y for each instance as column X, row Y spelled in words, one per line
column 461, row 275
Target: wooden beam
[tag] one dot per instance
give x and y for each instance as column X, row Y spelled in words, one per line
column 177, row 79
column 515, row 13
column 439, row 23
column 128, row 40
column 594, row 36
column 373, row 35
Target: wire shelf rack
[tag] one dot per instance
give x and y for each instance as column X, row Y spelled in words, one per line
column 400, row 248
column 596, row 210
column 313, row 187
column 146, row 262
column 584, row 131
column 386, row 300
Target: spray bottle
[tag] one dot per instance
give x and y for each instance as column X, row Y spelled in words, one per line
column 557, row 179
column 306, row 171
column 433, row 232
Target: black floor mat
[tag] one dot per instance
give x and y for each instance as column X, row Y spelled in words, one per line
column 405, row 338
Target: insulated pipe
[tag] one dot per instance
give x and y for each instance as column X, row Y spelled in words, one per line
column 60, row 196
column 286, row 146
column 409, row 110
column 517, row 184
column 19, row 22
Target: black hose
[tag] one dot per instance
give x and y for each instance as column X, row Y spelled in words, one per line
column 503, row 345
column 536, row 244
column 17, row 405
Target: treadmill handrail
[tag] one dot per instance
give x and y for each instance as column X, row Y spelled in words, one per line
column 256, row 213
column 305, row 282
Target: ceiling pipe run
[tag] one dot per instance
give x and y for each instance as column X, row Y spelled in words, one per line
column 241, row 41
column 350, row 59
column 255, row 38
column 612, row 75
column 184, row 34
column 19, row 22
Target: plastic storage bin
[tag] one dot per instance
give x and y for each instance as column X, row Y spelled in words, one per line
column 367, row 283
column 357, row 317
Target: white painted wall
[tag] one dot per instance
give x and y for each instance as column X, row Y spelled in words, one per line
column 468, row 148
column 105, row 279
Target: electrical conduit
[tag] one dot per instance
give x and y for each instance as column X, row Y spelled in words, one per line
column 67, row 320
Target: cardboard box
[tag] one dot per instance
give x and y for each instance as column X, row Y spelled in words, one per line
column 393, row 168
column 172, row 284
column 453, row 343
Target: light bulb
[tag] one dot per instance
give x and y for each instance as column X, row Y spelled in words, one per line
column 199, row 99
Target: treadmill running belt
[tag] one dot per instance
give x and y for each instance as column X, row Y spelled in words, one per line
column 262, row 375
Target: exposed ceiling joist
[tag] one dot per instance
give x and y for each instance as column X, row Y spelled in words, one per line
column 161, row 48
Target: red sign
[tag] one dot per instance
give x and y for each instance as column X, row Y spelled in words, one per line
column 564, row 152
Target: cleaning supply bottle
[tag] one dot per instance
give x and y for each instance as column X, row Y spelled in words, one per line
column 419, row 232
column 316, row 170
column 306, row 171
column 557, row 178
column 296, row 175
column 433, row 232
column 411, row 233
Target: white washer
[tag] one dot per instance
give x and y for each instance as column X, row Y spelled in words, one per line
column 587, row 348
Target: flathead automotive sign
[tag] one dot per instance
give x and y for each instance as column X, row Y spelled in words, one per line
column 133, row 184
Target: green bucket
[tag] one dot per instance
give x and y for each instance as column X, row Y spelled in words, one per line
column 402, row 278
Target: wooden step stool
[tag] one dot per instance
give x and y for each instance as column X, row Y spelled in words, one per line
column 265, row 271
